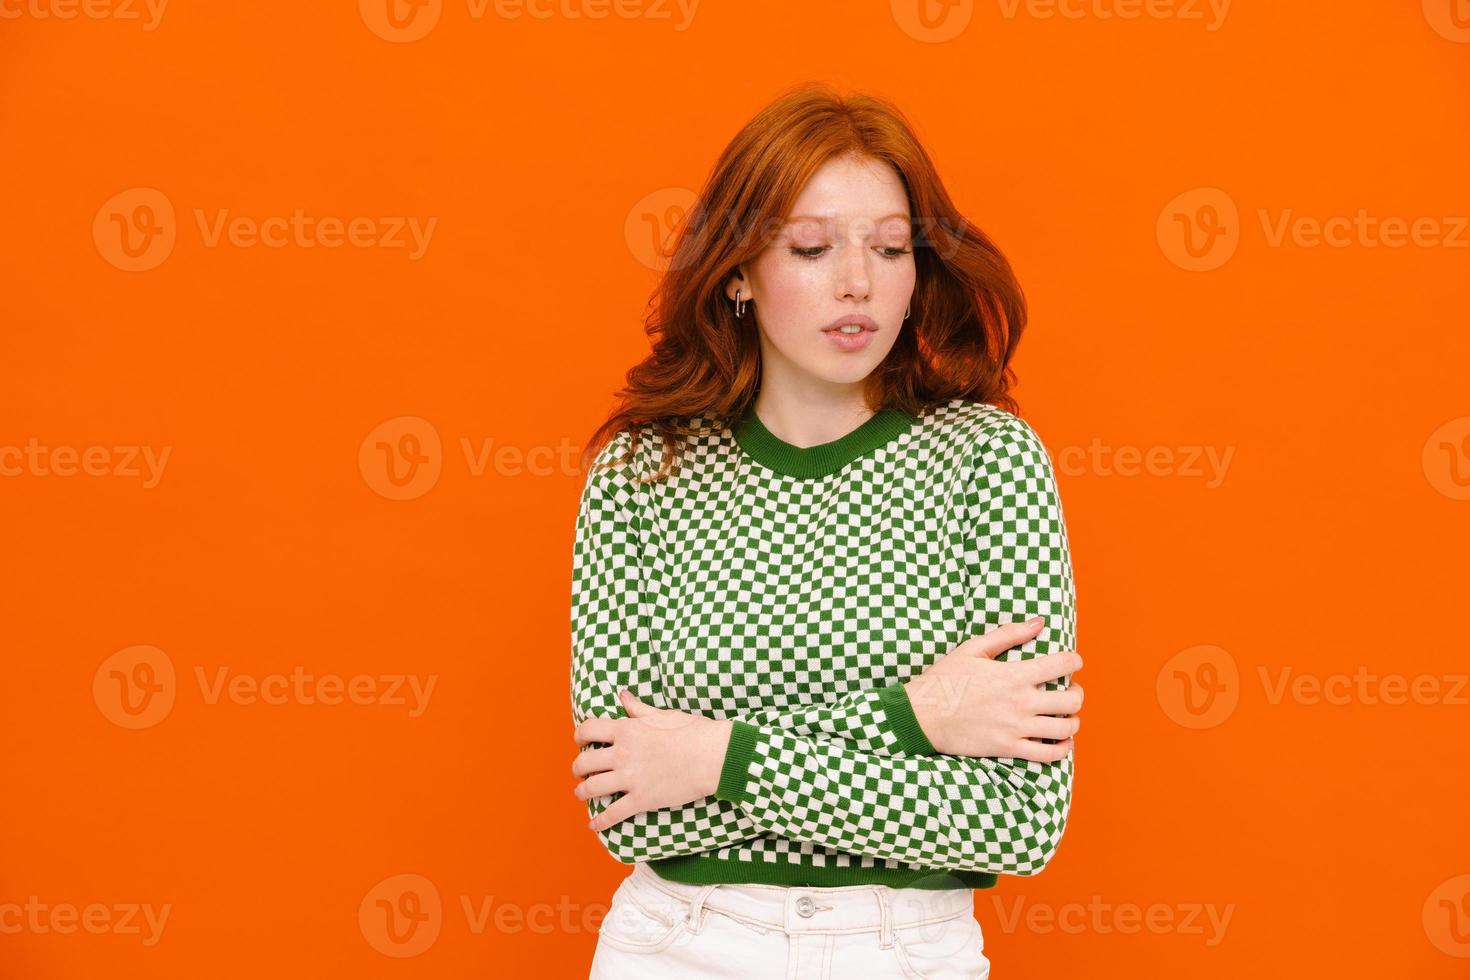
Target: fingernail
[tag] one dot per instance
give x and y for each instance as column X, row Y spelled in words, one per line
column 1035, row 620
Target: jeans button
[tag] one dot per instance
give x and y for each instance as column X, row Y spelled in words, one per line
column 804, row 907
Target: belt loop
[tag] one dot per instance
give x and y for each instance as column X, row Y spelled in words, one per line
column 696, row 908
column 885, row 926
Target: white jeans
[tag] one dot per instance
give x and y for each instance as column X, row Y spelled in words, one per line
column 667, row 930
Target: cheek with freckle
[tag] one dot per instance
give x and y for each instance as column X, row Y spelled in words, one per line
column 793, row 298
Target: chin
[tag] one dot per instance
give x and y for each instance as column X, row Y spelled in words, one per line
column 849, row 371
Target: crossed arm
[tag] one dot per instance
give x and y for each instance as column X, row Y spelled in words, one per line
column 856, row 772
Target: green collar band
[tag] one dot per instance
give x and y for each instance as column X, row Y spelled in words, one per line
column 828, row 457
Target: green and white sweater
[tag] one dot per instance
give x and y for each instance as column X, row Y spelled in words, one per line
column 793, row 590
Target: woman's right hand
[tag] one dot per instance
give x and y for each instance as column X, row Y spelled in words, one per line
column 970, row 704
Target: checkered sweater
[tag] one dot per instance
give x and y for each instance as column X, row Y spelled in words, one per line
column 792, row 590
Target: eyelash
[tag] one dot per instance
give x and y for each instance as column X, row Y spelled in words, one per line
column 819, row 249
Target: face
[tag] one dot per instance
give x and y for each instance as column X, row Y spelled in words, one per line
column 846, row 248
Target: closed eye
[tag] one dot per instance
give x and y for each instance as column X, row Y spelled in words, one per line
column 815, row 252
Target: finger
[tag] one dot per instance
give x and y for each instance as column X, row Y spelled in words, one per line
column 1050, row 666
column 1045, row 726
column 602, row 784
column 621, row 810
column 1045, row 702
column 592, row 760
column 596, row 730
column 1002, row 638
column 634, row 707
column 1043, row 751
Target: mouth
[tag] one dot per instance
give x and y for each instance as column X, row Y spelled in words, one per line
column 852, row 325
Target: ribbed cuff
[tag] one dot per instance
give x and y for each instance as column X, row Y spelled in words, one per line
column 735, row 774
column 905, row 724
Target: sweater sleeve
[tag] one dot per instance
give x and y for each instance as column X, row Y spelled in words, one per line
column 998, row 815
column 611, row 650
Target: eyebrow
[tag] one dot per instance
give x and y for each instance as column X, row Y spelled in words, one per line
column 824, row 219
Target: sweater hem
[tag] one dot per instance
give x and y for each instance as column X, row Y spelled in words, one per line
column 703, row 869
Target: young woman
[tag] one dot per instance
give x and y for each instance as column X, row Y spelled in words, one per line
column 823, row 613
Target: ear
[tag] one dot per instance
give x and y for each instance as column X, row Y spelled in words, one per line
column 737, row 280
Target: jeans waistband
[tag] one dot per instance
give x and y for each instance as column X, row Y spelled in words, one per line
column 842, row 909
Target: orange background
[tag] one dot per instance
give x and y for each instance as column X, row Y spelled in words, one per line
column 547, row 150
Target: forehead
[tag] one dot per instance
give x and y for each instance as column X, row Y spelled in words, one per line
column 850, row 189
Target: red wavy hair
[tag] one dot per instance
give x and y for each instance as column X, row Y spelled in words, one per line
column 968, row 310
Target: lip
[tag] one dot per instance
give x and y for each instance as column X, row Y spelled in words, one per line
column 866, row 322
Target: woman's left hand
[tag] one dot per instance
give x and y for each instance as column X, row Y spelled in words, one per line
column 655, row 757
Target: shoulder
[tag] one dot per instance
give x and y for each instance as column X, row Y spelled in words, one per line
column 618, row 467
column 989, row 436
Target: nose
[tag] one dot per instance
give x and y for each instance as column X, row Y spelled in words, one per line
column 854, row 281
